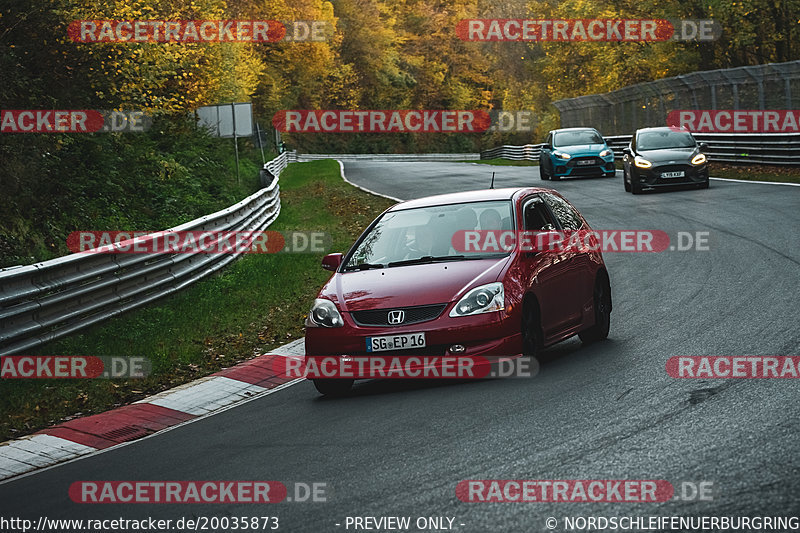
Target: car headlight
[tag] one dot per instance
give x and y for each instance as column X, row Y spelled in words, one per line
column 483, row 299
column 606, row 153
column 324, row 314
column 562, row 155
column 699, row 159
column 641, row 162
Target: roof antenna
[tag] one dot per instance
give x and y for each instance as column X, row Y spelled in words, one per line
column 492, row 185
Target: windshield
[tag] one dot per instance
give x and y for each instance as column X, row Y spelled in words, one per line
column 424, row 234
column 572, row 138
column 659, row 140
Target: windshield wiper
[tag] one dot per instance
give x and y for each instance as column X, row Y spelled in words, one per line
column 426, row 259
column 363, row 266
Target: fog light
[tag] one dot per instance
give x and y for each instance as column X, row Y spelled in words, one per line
column 457, row 348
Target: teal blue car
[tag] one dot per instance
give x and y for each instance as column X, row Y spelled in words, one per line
column 573, row 152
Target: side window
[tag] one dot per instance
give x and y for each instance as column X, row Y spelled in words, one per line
column 549, row 139
column 633, row 143
column 536, row 216
column 566, row 214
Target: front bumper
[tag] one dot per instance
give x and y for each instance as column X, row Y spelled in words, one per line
column 652, row 177
column 488, row 335
column 584, row 166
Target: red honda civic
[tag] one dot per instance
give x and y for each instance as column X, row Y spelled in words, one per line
column 405, row 289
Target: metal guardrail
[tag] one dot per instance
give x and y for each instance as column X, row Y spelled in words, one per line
column 391, row 157
column 756, row 148
column 47, row 300
column 526, row 152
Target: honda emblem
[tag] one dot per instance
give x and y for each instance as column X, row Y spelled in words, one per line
column 397, row 317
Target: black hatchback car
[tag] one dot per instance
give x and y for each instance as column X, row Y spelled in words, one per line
column 664, row 157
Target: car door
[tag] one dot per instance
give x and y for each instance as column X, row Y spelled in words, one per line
column 544, row 158
column 576, row 265
column 545, row 272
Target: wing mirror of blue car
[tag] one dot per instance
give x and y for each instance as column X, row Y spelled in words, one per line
column 331, row 262
column 546, row 146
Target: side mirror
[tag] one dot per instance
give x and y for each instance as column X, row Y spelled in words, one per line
column 549, row 235
column 546, row 146
column 331, row 261
column 626, row 150
column 703, row 147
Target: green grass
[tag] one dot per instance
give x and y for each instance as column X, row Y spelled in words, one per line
column 254, row 305
column 756, row 172
column 773, row 173
column 503, row 162
column 169, row 175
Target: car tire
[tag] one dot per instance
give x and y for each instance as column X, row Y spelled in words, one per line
column 542, row 173
column 532, row 338
column 636, row 188
column 333, row 387
column 602, row 312
column 625, row 181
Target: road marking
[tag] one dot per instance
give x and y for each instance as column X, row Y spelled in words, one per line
column 165, row 430
column 341, row 172
column 760, row 182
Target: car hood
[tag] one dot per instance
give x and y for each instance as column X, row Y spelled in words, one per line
column 410, row 285
column 582, row 149
column 679, row 155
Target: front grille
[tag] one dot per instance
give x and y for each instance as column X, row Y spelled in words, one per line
column 586, row 171
column 413, row 315
column 671, row 168
column 573, row 163
column 656, row 173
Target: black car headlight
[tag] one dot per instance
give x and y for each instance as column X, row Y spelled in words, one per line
column 483, row 299
column 324, row 314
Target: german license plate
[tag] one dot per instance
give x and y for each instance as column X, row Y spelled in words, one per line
column 395, row 342
column 585, row 162
column 678, row 174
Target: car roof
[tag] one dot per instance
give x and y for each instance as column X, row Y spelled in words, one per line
column 480, row 195
column 574, row 129
column 661, row 128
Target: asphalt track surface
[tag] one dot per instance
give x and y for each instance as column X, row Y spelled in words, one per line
column 604, row 411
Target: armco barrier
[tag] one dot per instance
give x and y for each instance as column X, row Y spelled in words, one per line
column 47, row 300
column 390, row 157
column 756, row 148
